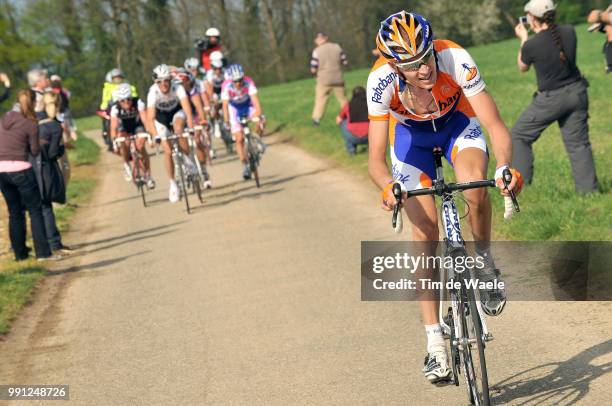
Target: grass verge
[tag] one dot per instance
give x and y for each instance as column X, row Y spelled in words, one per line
column 19, row 279
column 551, row 210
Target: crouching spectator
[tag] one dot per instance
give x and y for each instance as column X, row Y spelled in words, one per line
column 47, row 169
column 353, row 121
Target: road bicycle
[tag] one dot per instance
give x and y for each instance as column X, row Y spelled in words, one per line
column 463, row 324
column 199, row 131
column 219, row 130
column 137, row 164
column 251, row 146
column 185, row 173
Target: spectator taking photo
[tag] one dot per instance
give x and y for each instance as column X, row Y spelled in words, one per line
column 562, row 95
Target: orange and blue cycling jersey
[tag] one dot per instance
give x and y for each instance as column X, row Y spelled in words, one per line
column 412, row 136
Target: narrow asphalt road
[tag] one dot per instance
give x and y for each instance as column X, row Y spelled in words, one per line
column 255, row 299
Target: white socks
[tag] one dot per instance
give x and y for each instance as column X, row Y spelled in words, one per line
column 435, row 339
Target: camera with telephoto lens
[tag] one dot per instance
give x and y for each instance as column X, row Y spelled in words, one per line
column 201, row 43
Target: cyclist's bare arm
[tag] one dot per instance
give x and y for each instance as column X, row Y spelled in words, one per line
column 486, row 110
column 205, row 103
column 150, row 122
column 226, row 111
column 114, row 124
column 187, row 109
column 256, row 105
column 143, row 119
column 378, row 138
column 197, row 102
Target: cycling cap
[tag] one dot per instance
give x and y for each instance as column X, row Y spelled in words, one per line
column 404, row 36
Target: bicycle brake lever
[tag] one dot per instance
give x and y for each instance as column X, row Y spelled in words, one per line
column 396, row 220
column 507, row 178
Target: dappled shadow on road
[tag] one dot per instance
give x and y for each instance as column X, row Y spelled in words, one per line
column 123, row 199
column 94, row 265
column 137, row 238
column 559, row 383
column 128, row 235
column 236, row 197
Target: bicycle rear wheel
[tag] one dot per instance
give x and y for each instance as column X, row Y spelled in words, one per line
column 474, row 362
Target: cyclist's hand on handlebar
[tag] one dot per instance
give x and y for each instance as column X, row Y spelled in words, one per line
column 388, row 199
column 516, row 184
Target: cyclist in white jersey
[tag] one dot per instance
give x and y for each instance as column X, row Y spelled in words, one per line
column 168, row 110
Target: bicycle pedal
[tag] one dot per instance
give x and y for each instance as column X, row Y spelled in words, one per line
column 488, row 337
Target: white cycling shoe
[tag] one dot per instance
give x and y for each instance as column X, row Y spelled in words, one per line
column 150, row 183
column 436, row 366
column 173, row 194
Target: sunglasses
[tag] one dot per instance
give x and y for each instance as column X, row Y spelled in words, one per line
column 414, row 66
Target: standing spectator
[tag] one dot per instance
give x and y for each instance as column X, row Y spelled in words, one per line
column 65, row 114
column 353, row 121
column 39, row 82
column 562, row 95
column 208, row 45
column 326, row 64
column 602, row 21
column 7, row 86
column 46, row 167
column 18, row 138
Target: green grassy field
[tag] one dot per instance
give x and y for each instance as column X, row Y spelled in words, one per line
column 18, row 279
column 551, row 210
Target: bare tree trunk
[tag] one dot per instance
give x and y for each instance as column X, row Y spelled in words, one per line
column 267, row 15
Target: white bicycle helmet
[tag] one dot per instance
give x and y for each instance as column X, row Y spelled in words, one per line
column 235, row 72
column 213, row 32
column 216, row 63
column 122, row 92
column 116, row 72
column 161, row 72
column 191, row 63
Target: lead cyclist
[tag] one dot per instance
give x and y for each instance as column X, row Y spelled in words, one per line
column 425, row 93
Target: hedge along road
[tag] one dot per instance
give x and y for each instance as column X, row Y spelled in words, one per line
column 255, row 298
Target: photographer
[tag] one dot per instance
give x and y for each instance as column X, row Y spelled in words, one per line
column 561, row 96
column 206, row 46
column 601, row 21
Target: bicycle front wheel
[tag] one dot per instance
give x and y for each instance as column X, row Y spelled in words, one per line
column 474, row 362
column 183, row 183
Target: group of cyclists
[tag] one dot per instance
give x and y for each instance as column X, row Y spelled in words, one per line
column 206, row 102
column 422, row 93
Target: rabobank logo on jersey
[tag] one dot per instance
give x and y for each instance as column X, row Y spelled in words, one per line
column 381, row 86
column 472, row 71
